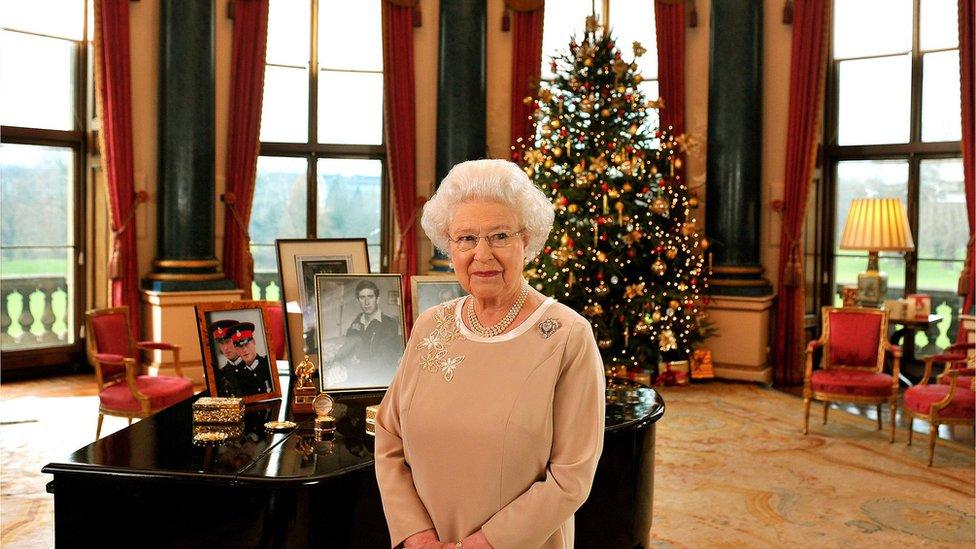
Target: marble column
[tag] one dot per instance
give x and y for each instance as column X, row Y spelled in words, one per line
column 732, row 211
column 185, row 259
column 460, row 89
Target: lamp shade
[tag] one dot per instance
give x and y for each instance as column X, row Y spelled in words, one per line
column 877, row 224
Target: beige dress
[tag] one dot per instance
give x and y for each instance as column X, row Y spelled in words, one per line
column 502, row 434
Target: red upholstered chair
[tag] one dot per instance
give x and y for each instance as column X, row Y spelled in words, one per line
column 117, row 359
column 854, row 350
column 951, row 401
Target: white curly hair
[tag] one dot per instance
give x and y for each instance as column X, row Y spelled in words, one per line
column 495, row 181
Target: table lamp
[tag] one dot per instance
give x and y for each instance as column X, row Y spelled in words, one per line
column 876, row 225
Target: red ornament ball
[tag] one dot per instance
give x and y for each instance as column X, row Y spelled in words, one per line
column 605, row 187
column 599, row 276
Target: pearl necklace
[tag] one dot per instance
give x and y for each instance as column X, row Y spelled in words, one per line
column 492, row 331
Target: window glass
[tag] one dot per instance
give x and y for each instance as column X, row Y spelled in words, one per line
column 37, row 76
column 284, row 114
column 289, row 31
column 349, row 199
column 338, row 122
column 279, row 207
column 37, row 259
column 865, row 28
column 61, row 18
column 941, row 109
column 874, row 100
column 939, row 24
column 356, row 42
column 562, row 24
column 633, row 21
column 943, row 228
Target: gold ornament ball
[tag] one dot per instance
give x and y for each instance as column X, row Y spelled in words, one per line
column 704, row 244
column 564, row 239
column 642, row 328
column 659, row 206
column 578, row 169
column 601, row 257
column 677, row 163
column 605, row 113
column 638, row 79
column 671, row 253
column 621, row 89
column 687, row 229
column 557, row 151
column 656, row 316
column 588, row 62
column 617, row 158
column 636, row 235
column 572, row 208
column 555, row 123
column 627, row 187
column 549, row 163
column 674, row 304
column 658, row 267
column 692, row 202
column 546, row 131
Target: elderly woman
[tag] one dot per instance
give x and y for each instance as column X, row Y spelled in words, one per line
column 490, row 433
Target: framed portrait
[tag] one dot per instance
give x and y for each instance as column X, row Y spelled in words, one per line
column 361, row 330
column 427, row 291
column 299, row 260
column 238, row 355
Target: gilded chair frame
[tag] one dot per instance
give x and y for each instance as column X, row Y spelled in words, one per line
column 933, row 416
column 884, row 349
column 132, row 368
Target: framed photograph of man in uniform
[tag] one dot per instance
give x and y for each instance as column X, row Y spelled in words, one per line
column 426, row 291
column 238, row 355
column 299, row 260
column 361, row 330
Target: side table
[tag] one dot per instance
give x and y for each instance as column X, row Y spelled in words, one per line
column 904, row 336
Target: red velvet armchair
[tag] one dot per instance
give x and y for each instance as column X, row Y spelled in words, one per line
column 852, row 369
column 117, row 359
column 951, row 401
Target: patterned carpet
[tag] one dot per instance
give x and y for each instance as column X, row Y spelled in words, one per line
column 732, row 470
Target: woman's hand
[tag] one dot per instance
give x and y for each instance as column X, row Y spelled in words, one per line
column 422, row 539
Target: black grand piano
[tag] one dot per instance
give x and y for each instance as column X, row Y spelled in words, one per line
column 149, row 486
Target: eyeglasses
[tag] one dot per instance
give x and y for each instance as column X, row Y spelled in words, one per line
column 467, row 242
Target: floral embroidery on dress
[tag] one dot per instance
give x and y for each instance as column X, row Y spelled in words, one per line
column 445, row 331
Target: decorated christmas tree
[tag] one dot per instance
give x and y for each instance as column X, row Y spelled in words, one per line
column 624, row 251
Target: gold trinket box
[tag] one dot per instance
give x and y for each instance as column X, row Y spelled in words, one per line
column 371, row 413
column 371, row 428
column 223, row 432
column 218, row 410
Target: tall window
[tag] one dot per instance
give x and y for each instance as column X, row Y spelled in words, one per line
column 629, row 20
column 893, row 130
column 321, row 172
column 43, row 85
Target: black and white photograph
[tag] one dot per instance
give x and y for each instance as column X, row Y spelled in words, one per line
column 238, row 359
column 299, row 260
column 361, row 330
column 428, row 291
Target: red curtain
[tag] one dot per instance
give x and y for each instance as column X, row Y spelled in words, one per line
column 113, row 71
column 526, row 69
column 669, row 17
column 247, row 87
column 967, row 74
column 400, row 123
column 807, row 70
